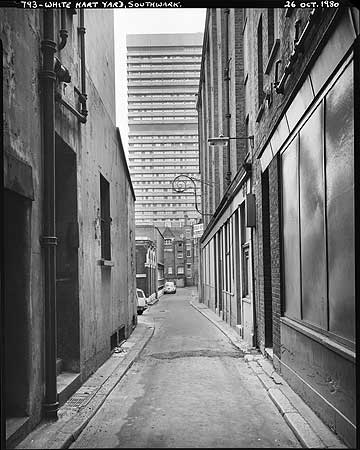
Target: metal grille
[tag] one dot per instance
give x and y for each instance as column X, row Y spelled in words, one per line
column 80, row 398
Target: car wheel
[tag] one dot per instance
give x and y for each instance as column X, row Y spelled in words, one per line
column 140, row 312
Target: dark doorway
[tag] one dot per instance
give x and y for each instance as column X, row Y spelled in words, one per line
column 67, row 286
column 17, row 235
column 267, row 260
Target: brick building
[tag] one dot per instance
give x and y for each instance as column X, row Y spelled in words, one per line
column 278, row 251
column 69, row 228
column 150, row 261
column 226, row 241
column 181, row 257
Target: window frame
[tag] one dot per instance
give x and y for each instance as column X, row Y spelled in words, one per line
column 105, row 219
column 245, row 270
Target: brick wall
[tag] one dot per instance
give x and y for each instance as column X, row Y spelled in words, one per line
column 274, row 210
column 267, row 258
column 258, row 259
column 237, row 93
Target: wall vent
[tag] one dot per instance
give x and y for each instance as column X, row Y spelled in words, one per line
column 121, row 334
column 113, row 341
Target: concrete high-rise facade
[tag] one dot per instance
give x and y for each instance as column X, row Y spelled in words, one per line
column 163, row 77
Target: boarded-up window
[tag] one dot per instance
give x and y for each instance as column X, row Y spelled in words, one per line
column 318, row 215
column 291, row 247
column 311, row 193
column 339, row 142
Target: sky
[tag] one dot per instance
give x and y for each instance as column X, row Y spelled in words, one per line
column 146, row 21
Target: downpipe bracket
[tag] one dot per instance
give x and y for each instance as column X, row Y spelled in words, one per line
column 51, row 410
column 48, row 241
column 47, row 74
column 49, row 45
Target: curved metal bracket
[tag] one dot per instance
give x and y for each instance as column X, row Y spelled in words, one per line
column 181, row 183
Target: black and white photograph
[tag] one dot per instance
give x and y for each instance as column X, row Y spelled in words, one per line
column 178, row 219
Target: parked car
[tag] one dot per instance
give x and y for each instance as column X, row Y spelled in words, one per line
column 141, row 301
column 169, row 288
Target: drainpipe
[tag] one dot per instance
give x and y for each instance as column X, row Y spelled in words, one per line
column 227, row 115
column 254, row 343
column 227, row 94
column 63, row 31
column 49, row 240
column 83, row 96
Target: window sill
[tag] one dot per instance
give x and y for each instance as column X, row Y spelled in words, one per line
column 322, row 339
column 272, row 56
column 105, row 262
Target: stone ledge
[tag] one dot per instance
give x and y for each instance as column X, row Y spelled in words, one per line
column 266, row 381
column 281, row 401
column 302, row 430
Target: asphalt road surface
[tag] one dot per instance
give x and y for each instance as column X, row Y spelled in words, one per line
column 189, row 388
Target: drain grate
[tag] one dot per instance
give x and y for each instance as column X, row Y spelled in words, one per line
column 80, row 398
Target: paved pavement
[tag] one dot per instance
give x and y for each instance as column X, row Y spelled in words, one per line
column 77, row 412
column 189, row 388
column 306, row 425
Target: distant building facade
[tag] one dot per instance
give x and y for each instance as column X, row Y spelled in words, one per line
column 181, row 256
column 146, row 272
column 69, row 228
column 278, row 250
column 163, row 77
column 150, row 261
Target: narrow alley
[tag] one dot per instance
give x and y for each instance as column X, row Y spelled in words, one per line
column 179, row 226
column 190, row 387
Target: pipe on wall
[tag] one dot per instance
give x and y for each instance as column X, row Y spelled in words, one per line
column 48, row 239
column 71, row 108
column 83, row 97
column 63, row 74
column 227, row 95
column 63, row 31
column 2, row 260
